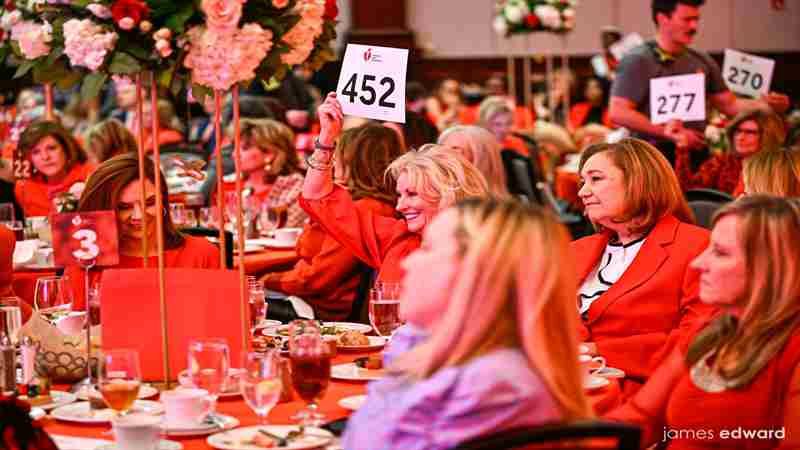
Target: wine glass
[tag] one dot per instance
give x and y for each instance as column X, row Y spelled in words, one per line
column 209, row 360
column 384, row 308
column 310, row 359
column 120, row 378
column 261, row 382
column 53, row 296
column 10, row 317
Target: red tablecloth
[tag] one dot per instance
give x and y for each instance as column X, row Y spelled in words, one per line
column 602, row 400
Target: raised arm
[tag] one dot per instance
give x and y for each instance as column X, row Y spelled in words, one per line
column 319, row 177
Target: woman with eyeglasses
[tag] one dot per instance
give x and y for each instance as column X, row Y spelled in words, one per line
column 750, row 132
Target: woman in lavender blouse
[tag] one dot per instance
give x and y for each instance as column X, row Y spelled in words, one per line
column 486, row 282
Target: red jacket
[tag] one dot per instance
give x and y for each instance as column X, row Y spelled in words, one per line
column 35, row 195
column 580, row 112
column 651, row 303
column 326, row 275
column 381, row 242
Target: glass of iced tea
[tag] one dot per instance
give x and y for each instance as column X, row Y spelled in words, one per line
column 310, row 359
column 120, row 379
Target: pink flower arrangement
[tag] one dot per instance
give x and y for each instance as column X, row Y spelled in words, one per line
column 221, row 59
column 86, row 43
column 100, row 11
column 33, row 38
column 222, row 14
column 301, row 37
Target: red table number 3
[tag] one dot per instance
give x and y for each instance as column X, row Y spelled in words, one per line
column 85, row 239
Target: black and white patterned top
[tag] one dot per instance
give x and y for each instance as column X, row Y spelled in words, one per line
column 614, row 262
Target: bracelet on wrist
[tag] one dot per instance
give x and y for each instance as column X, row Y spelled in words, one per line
column 318, row 145
column 321, row 166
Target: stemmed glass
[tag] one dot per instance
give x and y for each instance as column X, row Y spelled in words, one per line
column 311, row 368
column 209, row 360
column 258, row 305
column 384, row 308
column 120, row 378
column 10, row 317
column 53, row 296
column 261, row 382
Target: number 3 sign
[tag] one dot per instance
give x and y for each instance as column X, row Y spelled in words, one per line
column 681, row 97
column 372, row 83
column 84, row 239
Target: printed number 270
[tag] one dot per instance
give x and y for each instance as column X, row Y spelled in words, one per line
column 350, row 90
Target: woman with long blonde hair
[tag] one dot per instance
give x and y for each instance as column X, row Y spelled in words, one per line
column 748, row 353
column 773, row 173
column 494, row 359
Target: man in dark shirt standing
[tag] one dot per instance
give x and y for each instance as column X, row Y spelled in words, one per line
column 669, row 54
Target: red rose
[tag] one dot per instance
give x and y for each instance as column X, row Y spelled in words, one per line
column 331, row 10
column 135, row 9
column 532, row 21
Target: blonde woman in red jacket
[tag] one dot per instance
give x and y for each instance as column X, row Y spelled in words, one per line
column 636, row 289
column 327, row 274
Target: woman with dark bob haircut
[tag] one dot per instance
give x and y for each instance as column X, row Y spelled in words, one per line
column 56, row 162
column 115, row 186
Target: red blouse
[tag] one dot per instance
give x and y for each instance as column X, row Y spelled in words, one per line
column 326, row 275
column 195, row 253
column 381, row 242
column 696, row 420
column 35, row 195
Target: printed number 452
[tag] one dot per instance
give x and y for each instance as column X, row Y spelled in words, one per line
column 366, row 88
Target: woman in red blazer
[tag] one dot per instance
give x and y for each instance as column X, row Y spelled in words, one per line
column 636, row 291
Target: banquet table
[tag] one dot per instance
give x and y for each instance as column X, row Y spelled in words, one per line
column 602, row 400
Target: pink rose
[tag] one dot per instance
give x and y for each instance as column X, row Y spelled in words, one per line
column 33, row 38
column 222, row 14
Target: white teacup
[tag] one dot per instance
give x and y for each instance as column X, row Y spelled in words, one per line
column 590, row 365
column 287, row 235
column 185, row 407
column 136, row 432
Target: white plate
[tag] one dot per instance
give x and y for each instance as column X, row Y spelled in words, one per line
column 234, row 439
column 349, row 326
column 250, row 248
column 186, row 383
column 274, row 243
column 269, row 323
column 609, row 372
column 594, row 382
column 352, row 372
column 78, row 443
column 201, row 428
column 60, row 398
column 145, row 391
column 375, row 342
column 353, row 403
column 341, row 327
column 162, row 445
column 80, row 412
